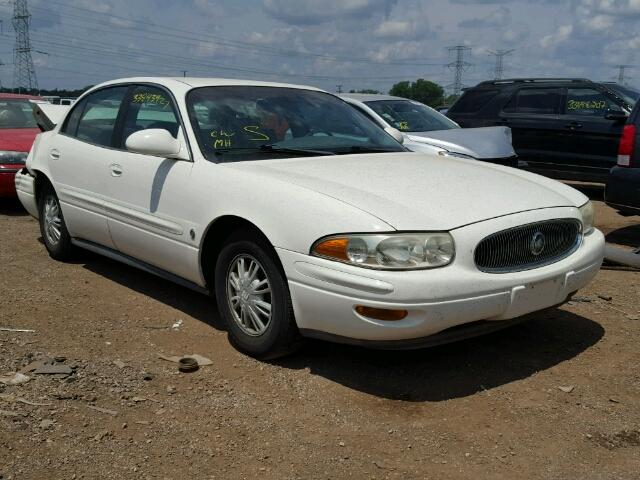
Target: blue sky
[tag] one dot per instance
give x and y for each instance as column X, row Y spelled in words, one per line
column 355, row 43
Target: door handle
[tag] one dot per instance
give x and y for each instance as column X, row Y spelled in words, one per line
column 54, row 154
column 116, row 170
column 573, row 125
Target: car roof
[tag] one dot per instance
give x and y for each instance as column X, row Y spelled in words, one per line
column 17, row 96
column 370, row 97
column 196, row 82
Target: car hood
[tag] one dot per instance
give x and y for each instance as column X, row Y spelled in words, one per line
column 17, row 139
column 481, row 143
column 414, row 191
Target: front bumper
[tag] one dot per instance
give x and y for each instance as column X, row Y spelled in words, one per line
column 26, row 188
column 325, row 293
column 7, row 180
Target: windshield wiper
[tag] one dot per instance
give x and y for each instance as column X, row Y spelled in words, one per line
column 277, row 149
column 270, row 148
column 363, row 149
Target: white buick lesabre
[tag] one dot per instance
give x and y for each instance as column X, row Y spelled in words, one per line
column 304, row 217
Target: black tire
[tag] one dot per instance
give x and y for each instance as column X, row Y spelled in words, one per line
column 60, row 249
column 281, row 336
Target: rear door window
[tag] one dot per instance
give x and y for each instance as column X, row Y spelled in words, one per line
column 588, row 102
column 99, row 116
column 150, row 107
column 473, row 101
column 538, row 101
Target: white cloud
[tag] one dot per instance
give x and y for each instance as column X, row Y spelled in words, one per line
column 561, row 35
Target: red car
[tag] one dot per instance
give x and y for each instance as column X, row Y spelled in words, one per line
column 18, row 129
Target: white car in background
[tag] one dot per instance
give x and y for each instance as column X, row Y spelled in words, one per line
column 304, row 218
column 429, row 131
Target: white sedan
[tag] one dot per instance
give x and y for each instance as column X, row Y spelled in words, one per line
column 303, row 217
column 426, row 130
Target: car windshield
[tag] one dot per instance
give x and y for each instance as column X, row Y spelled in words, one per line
column 410, row 116
column 629, row 95
column 16, row 114
column 237, row 123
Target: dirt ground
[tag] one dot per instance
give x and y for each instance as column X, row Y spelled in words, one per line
column 557, row 397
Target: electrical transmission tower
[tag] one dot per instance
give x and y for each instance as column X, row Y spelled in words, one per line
column 621, row 71
column 499, row 54
column 24, row 74
column 459, row 65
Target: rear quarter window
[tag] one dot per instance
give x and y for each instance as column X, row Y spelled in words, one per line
column 473, row 101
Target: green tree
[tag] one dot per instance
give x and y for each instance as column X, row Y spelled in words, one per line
column 421, row 90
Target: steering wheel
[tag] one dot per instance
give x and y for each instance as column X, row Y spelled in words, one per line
column 316, row 132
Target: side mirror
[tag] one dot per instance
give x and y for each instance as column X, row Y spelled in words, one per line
column 395, row 133
column 154, row 141
column 616, row 116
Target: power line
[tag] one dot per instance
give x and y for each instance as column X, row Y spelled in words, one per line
column 459, row 65
column 24, row 74
column 499, row 68
column 165, row 32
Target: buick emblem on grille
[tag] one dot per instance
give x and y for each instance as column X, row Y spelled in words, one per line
column 537, row 243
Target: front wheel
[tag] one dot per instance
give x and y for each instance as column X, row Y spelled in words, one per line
column 54, row 231
column 253, row 298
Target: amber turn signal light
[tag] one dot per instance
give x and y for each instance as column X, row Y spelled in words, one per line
column 382, row 313
column 333, row 248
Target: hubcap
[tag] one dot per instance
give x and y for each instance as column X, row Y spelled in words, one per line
column 249, row 295
column 52, row 220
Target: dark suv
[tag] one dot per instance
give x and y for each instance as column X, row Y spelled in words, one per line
column 623, row 187
column 563, row 128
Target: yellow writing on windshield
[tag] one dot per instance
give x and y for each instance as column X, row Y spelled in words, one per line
column 403, row 125
column 586, row 105
column 152, row 98
column 222, row 138
column 256, row 134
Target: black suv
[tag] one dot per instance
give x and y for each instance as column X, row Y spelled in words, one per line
column 563, row 128
column 623, row 187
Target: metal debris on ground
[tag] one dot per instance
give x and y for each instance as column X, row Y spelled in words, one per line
column 177, row 324
column 48, row 366
column 14, row 378
column 567, row 389
column 13, row 399
column 16, row 330
column 581, row 299
column 202, row 361
column 188, row 364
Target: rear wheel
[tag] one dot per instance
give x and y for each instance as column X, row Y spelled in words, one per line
column 253, row 298
column 52, row 227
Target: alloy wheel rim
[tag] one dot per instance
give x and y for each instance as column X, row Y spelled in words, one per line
column 52, row 220
column 249, row 295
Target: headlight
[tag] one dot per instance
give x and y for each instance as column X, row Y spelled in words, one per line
column 587, row 212
column 400, row 251
column 13, row 157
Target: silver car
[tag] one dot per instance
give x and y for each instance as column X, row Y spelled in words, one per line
column 426, row 130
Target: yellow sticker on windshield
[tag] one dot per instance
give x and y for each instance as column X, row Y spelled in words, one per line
column 403, row 126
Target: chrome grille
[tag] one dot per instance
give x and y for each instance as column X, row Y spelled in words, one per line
column 528, row 246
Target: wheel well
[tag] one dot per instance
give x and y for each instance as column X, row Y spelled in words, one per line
column 41, row 181
column 217, row 234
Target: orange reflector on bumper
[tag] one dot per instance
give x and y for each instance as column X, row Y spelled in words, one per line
column 382, row 313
